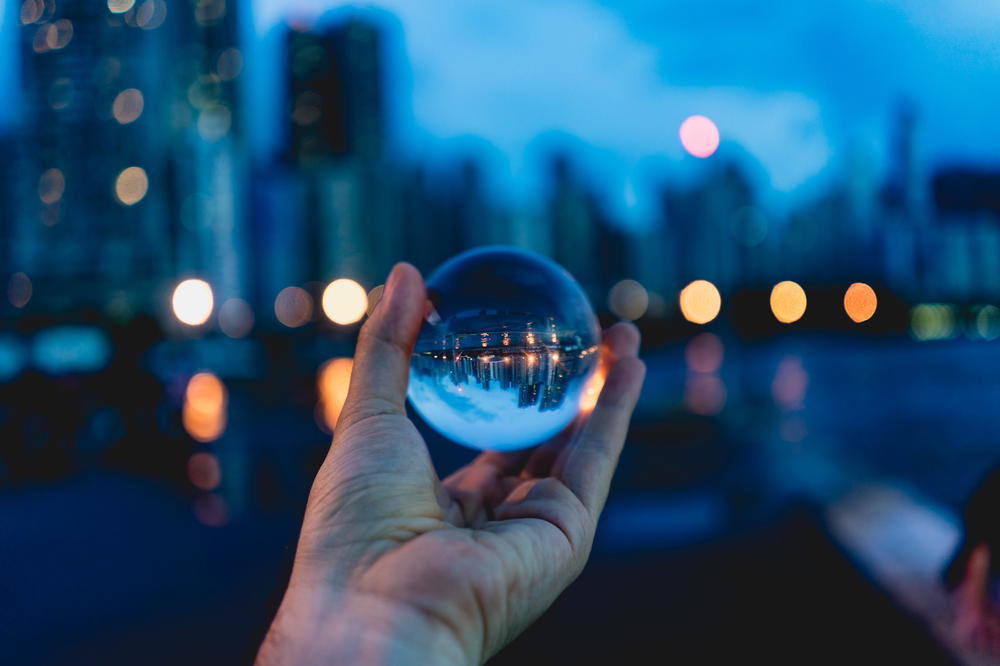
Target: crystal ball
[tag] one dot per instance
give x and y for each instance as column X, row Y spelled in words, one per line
column 508, row 346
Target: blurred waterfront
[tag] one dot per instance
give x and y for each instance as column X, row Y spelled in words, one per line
column 199, row 205
column 134, row 554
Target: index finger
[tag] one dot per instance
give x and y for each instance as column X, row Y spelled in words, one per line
column 588, row 463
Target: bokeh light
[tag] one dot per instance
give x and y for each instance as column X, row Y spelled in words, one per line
column 344, row 301
column 700, row 302
column 31, row 11
column 229, row 64
column 205, row 405
column 293, row 306
column 58, row 35
column 204, row 471
column 128, row 106
column 704, row 394
column 699, row 136
column 932, row 321
column 192, row 302
column 209, row 12
column 788, row 301
column 211, row 510
column 332, row 382
column 628, row 299
column 860, row 302
column 131, row 185
column 790, row 383
column 151, row 14
column 19, row 290
column 51, row 186
column 214, row 122
column 120, row 6
column 704, row 353
column 236, row 318
column 987, row 322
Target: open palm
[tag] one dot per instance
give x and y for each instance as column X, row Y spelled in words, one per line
column 394, row 565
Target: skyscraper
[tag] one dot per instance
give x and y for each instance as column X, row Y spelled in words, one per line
column 90, row 92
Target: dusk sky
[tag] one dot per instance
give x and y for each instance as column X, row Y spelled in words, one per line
column 799, row 86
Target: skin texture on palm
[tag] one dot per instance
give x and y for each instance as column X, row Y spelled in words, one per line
column 396, row 566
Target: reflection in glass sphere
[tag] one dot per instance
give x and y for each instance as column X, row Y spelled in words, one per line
column 502, row 360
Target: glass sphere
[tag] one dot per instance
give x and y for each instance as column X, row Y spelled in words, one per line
column 503, row 358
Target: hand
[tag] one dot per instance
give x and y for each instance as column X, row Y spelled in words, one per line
column 395, row 566
column 977, row 626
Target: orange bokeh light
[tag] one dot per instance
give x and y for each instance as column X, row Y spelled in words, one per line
column 205, row 406
column 860, row 302
column 332, row 383
column 788, row 302
column 592, row 389
column 700, row 302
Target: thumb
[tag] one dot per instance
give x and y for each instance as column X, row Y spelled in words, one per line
column 385, row 344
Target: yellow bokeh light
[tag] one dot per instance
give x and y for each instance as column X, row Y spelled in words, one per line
column 205, row 406
column 700, row 302
column 628, row 299
column 788, row 302
column 131, row 185
column 120, row 6
column 128, row 106
column 293, row 307
column 332, row 382
column 932, row 321
column 192, row 302
column 860, row 302
column 344, row 301
column 51, row 186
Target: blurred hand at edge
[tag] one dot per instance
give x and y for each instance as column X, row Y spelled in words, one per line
column 977, row 623
column 394, row 565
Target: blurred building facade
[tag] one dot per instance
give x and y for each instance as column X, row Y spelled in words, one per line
column 130, row 170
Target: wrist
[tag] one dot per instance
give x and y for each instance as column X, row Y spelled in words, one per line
column 312, row 628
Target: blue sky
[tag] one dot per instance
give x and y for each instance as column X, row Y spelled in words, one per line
column 803, row 87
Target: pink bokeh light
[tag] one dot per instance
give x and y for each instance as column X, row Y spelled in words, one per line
column 699, row 136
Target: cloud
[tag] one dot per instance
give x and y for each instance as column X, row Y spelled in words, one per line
column 786, row 80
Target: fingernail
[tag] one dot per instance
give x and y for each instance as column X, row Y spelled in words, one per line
column 374, row 298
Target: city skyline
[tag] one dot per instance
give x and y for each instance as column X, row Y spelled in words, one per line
column 340, row 199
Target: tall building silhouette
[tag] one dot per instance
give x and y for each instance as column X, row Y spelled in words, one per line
column 336, row 131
